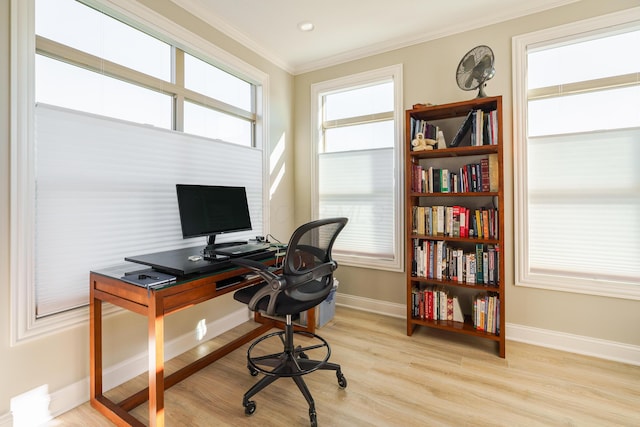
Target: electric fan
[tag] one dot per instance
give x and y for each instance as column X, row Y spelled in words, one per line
column 475, row 68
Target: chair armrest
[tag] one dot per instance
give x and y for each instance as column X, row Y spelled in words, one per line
column 275, row 282
column 255, row 266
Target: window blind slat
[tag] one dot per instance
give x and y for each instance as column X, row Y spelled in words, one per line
column 584, row 205
column 368, row 200
column 105, row 189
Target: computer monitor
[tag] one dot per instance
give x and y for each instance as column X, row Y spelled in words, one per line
column 209, row 210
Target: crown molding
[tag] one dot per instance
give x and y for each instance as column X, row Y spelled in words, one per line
column 196, row 8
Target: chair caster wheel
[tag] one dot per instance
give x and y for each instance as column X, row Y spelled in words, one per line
column 250, row 408
column 303, row 355
column 313, row 419
column 253, row 371
column 342, row 381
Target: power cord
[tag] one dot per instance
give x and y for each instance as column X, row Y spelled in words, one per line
column 271, row 235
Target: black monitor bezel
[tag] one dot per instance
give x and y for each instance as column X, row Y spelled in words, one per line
column 240, row 211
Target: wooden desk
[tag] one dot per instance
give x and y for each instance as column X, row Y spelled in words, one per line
column 155, row 304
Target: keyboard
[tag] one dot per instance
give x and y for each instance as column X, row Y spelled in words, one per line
column 243, row 250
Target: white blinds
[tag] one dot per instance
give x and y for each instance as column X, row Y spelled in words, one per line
column 584, row 206
column 105, row 189
column 359, row 185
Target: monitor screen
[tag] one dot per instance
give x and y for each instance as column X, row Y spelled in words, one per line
column 207, row 210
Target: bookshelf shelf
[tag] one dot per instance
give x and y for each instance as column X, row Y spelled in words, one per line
column 457, row 233
column 475, row 286
column 455, row 239
column 459, row 327
column 455, row 152
column 465, row 194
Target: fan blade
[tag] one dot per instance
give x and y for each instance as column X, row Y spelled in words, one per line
column 486, row 61
column 470, row 80
column 482, row 70
column 468, row 63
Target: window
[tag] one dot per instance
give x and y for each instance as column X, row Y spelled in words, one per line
column 108, row 121
column 358, row 121
column 576, row 128
column 105, row 66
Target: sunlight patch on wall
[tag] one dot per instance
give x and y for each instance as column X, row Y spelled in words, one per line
column 277, row 165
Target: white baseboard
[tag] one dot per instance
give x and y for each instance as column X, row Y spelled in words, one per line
column 371, row 305
column 603, row 349
column 609, row 350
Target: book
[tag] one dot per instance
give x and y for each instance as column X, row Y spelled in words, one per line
column 493, row 123
column 484, row 175
column 462, row 130
column 449, row 307
column 485, row 224
column 437, row 181
column 470, row 268
column 479, row 263
column 444, row 180
column 438, row 260
column 479, row 127
column 455, row 221
column 458, row 316
column 492, row 265
column 494, row 172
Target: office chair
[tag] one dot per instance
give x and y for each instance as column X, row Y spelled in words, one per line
column 306, row 281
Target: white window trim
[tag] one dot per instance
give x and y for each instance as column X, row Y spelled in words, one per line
column 24, row 325
column 394, row 71
column 523, row 275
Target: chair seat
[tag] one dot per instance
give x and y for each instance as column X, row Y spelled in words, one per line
column 284, row 304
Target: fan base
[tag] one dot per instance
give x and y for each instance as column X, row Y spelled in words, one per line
column 481, row 92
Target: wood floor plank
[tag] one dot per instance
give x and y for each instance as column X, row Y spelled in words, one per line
column 431, row 378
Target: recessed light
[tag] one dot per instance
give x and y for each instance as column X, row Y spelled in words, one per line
column 306, row 26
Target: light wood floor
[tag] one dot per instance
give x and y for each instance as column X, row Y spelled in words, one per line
column 431, row 378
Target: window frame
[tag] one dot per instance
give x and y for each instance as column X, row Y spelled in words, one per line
column 520, row 45
column 318, row 90
column 24, row 324
column 175, row 88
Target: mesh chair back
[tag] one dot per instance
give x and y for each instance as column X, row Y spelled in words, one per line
column 309, row 258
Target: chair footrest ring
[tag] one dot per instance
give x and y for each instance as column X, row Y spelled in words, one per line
column 288, row 361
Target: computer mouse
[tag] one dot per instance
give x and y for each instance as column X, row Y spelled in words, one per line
column 195, row 258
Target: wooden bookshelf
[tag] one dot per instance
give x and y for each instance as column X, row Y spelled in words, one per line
column 421, row 261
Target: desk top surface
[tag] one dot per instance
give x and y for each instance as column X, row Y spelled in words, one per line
column 131, row 272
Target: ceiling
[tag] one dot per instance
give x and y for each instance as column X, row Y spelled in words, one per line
column 349, row 29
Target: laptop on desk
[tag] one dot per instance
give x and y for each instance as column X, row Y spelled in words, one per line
column 243, row 250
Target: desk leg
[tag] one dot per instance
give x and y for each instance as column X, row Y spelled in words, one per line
column 95, row 346
column 156, row 361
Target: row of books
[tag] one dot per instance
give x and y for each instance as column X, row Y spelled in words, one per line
column 428, row 130
column 435, row 303
column 437, row 260
column 486, row 312
column 483, row 126
column 473, row 177
column 455, row 221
